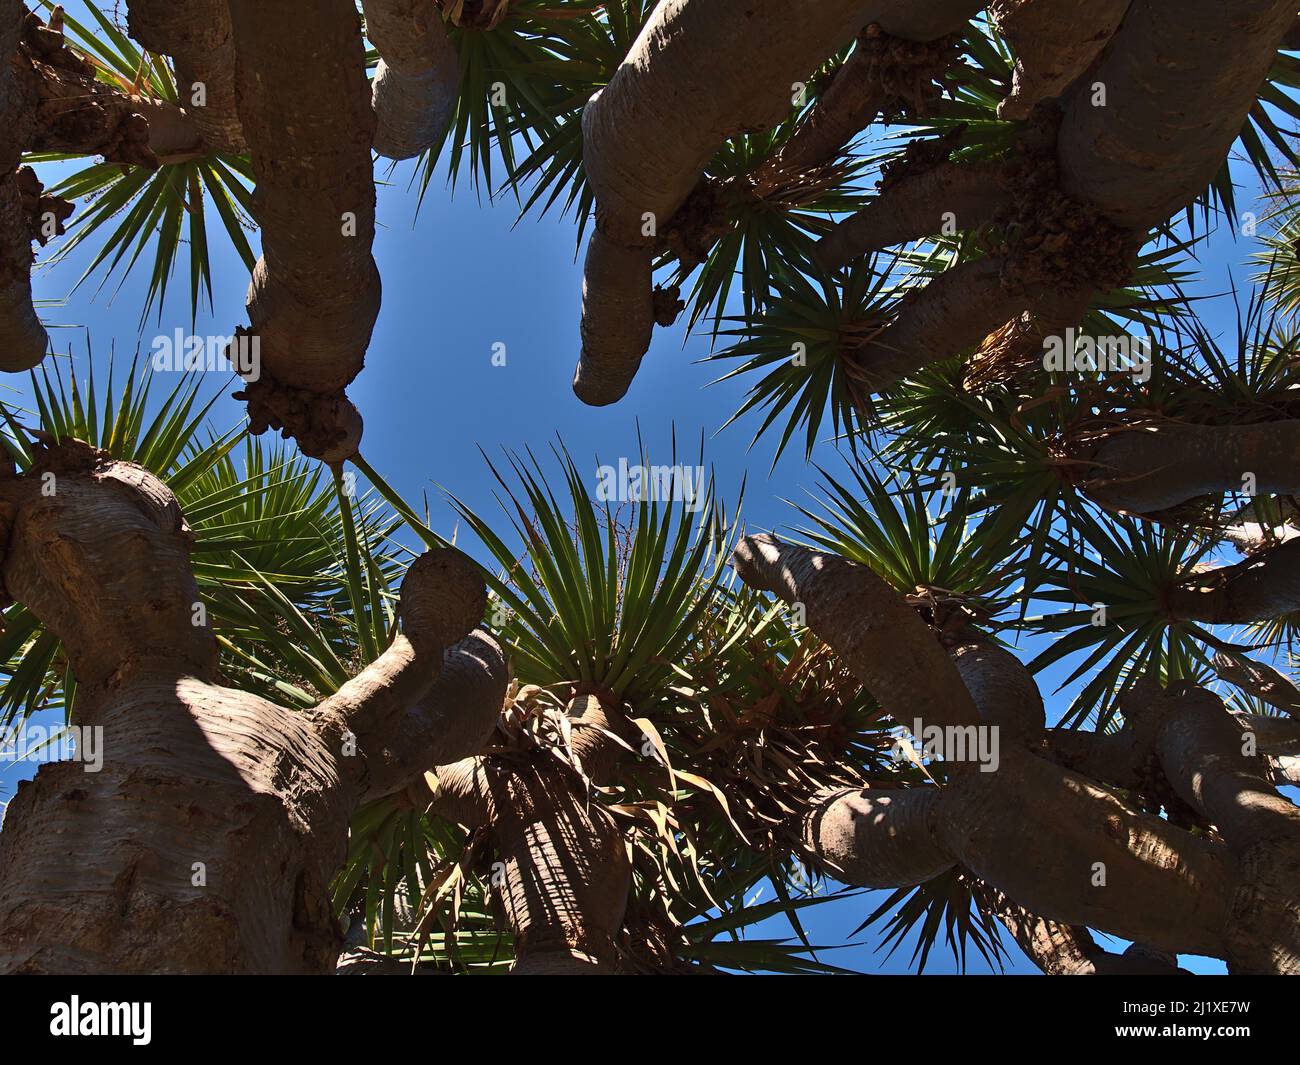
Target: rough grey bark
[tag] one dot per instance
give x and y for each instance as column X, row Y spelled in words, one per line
column 1055, row 42
column 417, row 80
column 648, row 135
column 208, row 840
column 1097, row 860
column 196, row 35
column 304, row 105
column 1004, row 692
column 1154, row 467
column 1041, row 835
column 917, row 206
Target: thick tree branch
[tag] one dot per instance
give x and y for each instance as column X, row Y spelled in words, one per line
column 1258, row 588
column 920, row 204
column 1070, row 950
column 886, row 70
column 23, row 340
column 196, row 35
column 417, row 80
column 877, row 839
column 1055, row 42
column 1011, row 354
column 1158, row 884
column 1004, row 691
column 1094, row 861
column 1202, row 749
column 1260, row 680
column 647, row 136
column 955, row 311
column 304, row 104
column 64, row 107
column 450, row 721
column 1179, row 81
column 878, row 636
column 443, row 597
column 1154, row 467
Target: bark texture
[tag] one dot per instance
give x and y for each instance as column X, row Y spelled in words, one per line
column 63, row 107
column 1055, row 42
column 1155, row 467
column 882, row 640
column 1202, row 752
column 217, row 816
column 1258, row 588
column 1180, row 79
column 417, row 80
column 891, row 70
column 1070, row 950
column 1048, row 826
column 1259, row 680
column 304, row 104
column 196, row 35
column 685, row 86
column 917, row 206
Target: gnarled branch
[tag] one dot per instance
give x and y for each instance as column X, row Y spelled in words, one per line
column 304, row 104
column 418, row 77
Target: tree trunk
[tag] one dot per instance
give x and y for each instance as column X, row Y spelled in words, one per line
column 209, row 837
column 304, row 104
column 565, row 872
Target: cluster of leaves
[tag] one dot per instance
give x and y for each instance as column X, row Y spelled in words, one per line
column 626, row 600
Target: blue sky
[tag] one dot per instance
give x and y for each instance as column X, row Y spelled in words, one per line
column 457, row 279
